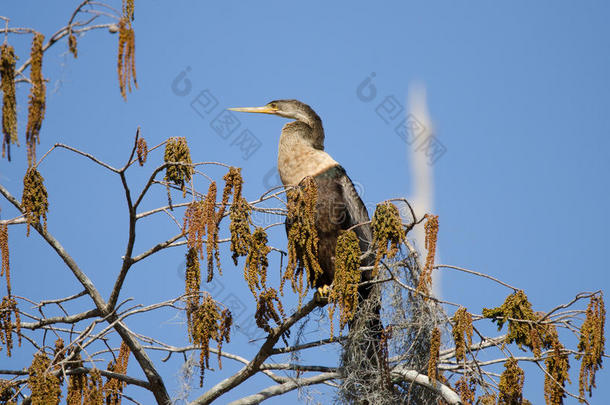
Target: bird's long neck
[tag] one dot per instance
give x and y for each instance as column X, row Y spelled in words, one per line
column 315, row 133
column 301, row 151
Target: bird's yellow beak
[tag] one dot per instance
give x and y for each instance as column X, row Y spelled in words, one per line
column 263, row 110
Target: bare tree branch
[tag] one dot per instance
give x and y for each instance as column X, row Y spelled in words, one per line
column 446, row 266
column 79, row 152
column 285, row 387
column 413, row 376
column 157, row 247
column 61, row 319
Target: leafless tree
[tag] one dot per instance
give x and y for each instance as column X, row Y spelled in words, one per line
column 432, row 351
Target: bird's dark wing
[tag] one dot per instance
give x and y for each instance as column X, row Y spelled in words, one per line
column 368, row 314
column 356, row 214
column 339, row 207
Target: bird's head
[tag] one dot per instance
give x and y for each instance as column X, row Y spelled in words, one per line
column 285, row 108
column 298, row 111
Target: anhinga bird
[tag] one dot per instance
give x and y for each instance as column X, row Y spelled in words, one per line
column 301, row 154
column 338, row 207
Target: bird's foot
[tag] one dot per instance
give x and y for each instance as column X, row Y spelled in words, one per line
column 323, row 291
column 321, row 295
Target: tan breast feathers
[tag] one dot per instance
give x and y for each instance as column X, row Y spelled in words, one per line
column 301, row 160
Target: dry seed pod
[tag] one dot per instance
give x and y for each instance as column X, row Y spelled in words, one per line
column 142, row 151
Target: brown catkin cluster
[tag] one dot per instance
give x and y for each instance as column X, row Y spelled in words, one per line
column 265, row 309
column 59, row 354
column 180, row 170
column 233, row 182
column 344, row 290
column 128, row 9
column 72, row 45
column 37, row 99
column 113, row 387
column 255, row 269
column 466, row 390
column 435, row 346
column 516, row 306
column 7, row 392
column 387, row 230
column 197, row 218
column 542, row 334
column 193, row 283
column 462, row 333
column 94, row 391
column 209, row 208
column 511, row 384
column 88, row 389
column 9, row 101
column 487, row 399
column 302, row 237
column 209, row 322
column 591, row 344
column 142, row 151
column 240, row 216
column 45, row 386
column 6, row 268
column 200, row 221
column 425, row 280
column 126, row 64
column 557, row 366
column 34, row 202
column 384, row 355
column 8, row 307
column 77, row 383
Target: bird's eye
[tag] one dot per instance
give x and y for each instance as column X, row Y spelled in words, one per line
column 273, row 105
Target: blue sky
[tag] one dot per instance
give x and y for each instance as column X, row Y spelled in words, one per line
column 518, row 92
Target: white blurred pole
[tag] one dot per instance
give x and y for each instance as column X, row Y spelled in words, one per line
column 422, row 174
